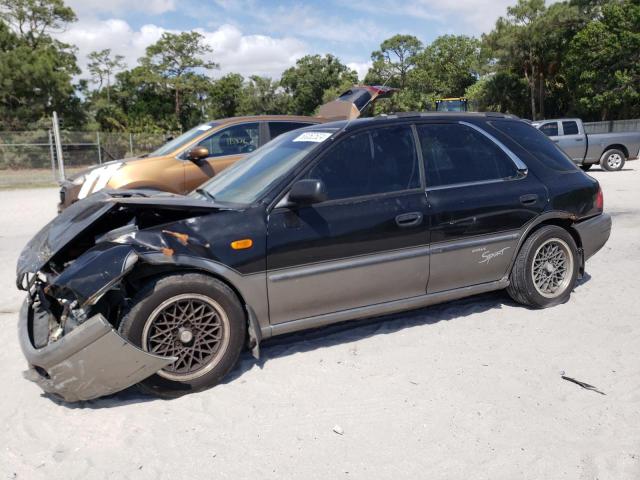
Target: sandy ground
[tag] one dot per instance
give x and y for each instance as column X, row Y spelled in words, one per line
column 470, row 389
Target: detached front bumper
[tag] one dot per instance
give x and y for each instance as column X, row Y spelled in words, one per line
column 594, row 233
column 89, row 362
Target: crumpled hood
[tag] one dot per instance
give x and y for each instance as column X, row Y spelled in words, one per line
column 80, row 216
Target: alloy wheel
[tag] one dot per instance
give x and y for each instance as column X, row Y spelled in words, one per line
column 552, row 268
column 192, row 327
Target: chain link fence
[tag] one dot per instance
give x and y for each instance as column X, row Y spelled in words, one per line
column 36, row 149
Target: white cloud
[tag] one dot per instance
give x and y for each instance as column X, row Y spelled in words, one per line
column 234, row 51
column 152, row 7
column 361, row 68
column 471, row 17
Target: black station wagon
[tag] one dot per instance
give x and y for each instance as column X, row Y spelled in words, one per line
column 329, row 223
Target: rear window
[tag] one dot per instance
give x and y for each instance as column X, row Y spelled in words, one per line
column 536, row 143
column 570, row 128
column 278, row 128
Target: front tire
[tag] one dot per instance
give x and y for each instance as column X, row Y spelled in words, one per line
column 612, row 160
column 546, row 268
column 193, row 317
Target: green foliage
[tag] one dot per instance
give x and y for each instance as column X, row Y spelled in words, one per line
column 263, row 96
column 393, row 62
column 173, row 63
column 603, row 64
column 36, row 71
column 311, row 76
column 224, row 96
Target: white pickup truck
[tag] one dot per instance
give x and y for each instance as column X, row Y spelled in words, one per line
column 610, row 150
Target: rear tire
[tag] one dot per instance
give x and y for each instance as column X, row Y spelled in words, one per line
column 546, row 268
column 612, row 160
column 586, row 167
column 190, row 316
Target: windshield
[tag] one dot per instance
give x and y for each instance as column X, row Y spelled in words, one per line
column 248, row 179
column 182, row 140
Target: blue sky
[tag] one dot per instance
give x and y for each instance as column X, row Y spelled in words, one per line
column 265, row 37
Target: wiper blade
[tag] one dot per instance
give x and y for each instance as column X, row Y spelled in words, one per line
column 206, row 194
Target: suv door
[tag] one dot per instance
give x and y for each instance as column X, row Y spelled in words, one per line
column 479, row 198
column 571, row 141
column 226, row 146
column 366, row 244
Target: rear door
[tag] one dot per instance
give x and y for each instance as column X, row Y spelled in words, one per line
column 226, row 146
column 479, row 198
column 277, row 128
column 572, row 141
column 366, row 244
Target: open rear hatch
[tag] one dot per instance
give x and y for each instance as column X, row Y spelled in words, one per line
column 353, row 102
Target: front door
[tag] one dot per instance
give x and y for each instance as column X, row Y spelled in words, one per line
column 366, row 244
column 225, row 146
column 479, row 199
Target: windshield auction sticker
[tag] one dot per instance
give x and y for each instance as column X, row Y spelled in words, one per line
column 315, row 137
column 204, row 127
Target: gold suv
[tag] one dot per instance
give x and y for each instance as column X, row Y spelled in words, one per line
column 187, row 161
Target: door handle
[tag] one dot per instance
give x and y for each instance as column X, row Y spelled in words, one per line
column 409, row 219
column 530, row 199
column 578, row 139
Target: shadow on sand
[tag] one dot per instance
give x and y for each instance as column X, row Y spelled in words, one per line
column 350, row 331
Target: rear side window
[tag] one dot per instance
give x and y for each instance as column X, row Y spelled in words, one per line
column 378, row 161
column 550, row 129
column 278, row 128
column 570, row 128
column 456, row 153
column 536, row 143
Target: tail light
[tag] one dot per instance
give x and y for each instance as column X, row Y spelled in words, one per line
column 600, row 199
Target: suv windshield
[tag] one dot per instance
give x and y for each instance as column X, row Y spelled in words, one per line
column 248, row 179
column 182, row 140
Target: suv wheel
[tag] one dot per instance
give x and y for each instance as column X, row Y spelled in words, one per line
column 546, row 268
column 612, row 160
column 193, row 317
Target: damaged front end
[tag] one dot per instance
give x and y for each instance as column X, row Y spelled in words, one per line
column 77, row 272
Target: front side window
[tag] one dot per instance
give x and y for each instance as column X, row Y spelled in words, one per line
column 183, row 140
column 570, row 128
column 457, row 154
column 550, row 129
column 278, row 128
column 378, row 161
column 233, row 140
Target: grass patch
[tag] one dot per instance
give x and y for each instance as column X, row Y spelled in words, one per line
column 31, row 178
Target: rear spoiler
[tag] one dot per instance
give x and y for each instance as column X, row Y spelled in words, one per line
column 351, row 103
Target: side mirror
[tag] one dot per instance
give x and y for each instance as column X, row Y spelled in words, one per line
column 197, row 153
column 307, row 192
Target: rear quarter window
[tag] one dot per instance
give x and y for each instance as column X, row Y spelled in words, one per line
column 536, row 143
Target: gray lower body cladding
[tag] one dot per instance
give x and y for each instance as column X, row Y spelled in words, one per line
column 594, row 233
column 89, row 362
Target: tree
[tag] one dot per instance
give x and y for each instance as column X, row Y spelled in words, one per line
column 102, row 66
column 312, row 75
column 447, row 66
column 606, row 78
column 36, row 71
column 175, row 62
column 35, row 20
column 394, row 60
column 263, row 96
column 225, row 95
